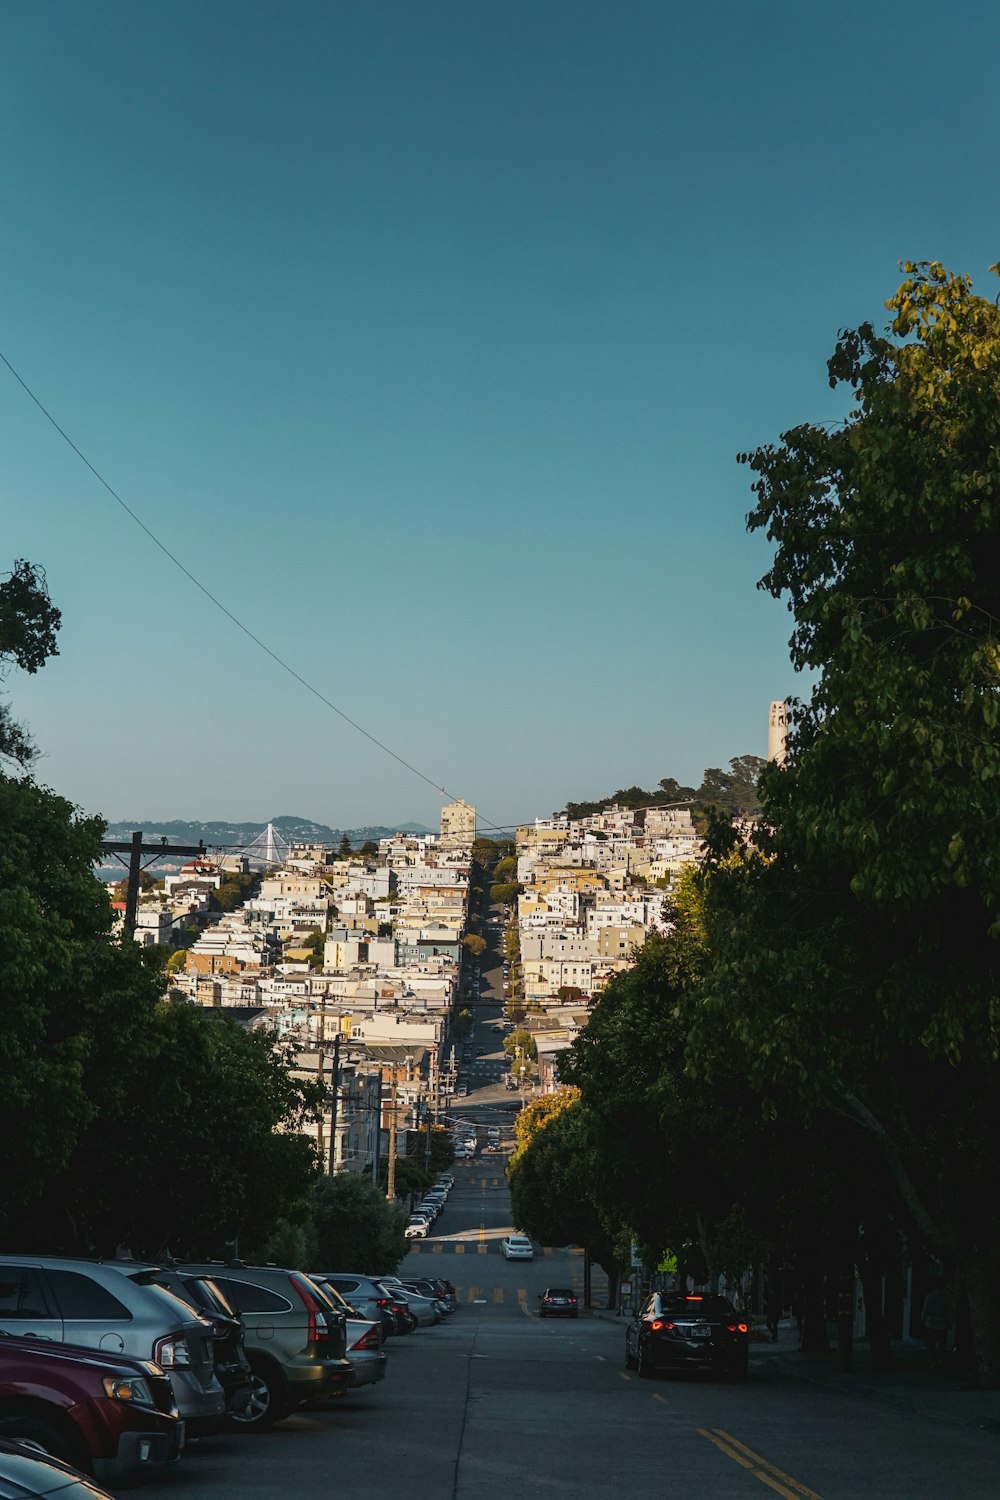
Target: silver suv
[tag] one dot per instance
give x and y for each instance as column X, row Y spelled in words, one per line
column 295, row 1341
column 92, row 1304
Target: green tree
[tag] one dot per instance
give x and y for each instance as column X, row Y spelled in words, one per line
column 522, row 1041
column 355, row 1226
column 202, row 1144
column 369, row 848
column 475, row 944
column 551, row 1185
column 857, row 959
column 506, row 892
column 28, row 626
column 344, row 847
column 316, row 943
column 461, row 1025
column 74, row 1003
column 505, row 869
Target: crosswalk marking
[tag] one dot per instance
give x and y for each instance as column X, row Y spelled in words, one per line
column 483, row 1249
column 498, row 1294
column 472, row 1295
column 459, row 1249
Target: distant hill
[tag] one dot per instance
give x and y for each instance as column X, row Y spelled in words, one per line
column 223, row 834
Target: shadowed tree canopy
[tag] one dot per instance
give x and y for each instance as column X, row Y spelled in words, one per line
column 28, row 625
column 858, row 958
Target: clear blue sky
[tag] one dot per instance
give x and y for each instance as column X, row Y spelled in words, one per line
column 425, row 333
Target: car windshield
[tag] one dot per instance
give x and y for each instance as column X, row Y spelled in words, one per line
column 706, row 1306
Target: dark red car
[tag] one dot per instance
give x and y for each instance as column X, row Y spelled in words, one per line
column 110, row 1415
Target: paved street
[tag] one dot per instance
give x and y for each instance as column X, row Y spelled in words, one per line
column 495, row 1402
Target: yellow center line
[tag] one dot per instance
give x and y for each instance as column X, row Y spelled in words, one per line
column 761, row 1468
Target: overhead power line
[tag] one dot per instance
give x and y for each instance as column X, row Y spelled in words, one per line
column 261, row 645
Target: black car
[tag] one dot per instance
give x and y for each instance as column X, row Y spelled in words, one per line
column 687, row 1330
column 557, row 1302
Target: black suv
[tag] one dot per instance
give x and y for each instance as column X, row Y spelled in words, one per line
column 295, row 1342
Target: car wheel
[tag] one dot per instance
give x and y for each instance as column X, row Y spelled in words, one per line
column 266, row 1405
column 644, row 1364
column 57, row 1445
column 629, row 1359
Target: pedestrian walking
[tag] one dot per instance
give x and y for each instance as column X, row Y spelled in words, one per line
column 936, row 1316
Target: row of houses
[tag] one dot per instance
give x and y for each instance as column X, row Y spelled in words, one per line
column 350, row 957
column 592, row 891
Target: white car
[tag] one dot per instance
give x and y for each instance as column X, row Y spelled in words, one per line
column 517, row 1247
column 417, row 1229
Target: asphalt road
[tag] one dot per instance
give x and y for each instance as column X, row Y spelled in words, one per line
column 495, row 1403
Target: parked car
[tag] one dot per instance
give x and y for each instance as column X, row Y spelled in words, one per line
column 557, row 1302
column 109, row 1415
column 442, row 1292
column 679, row 1330
column 28, row 1474
column 364, row 1350
column 517, row 1247
column 418, row 1227
column 295, row 1343
column 229, row 1357
column 424, row 1309
column 383, row 1316
column 95, row 1305
column 366, row 1294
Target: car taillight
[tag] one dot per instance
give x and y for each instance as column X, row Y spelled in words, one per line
column 172, row 1353
column 382, row 1302
column 657, row 1324
column 738, row 1328
column 318, row 1328
column 368, row 1340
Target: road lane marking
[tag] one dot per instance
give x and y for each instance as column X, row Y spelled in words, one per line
column 459, row 1249
column 761, row 1468
column 472, row 1295
column 522, row 1295
column 624, row 1375
column 436, row 1249
column 498, row 1294
column 482, row 1249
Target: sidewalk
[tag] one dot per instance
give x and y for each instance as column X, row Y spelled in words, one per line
column 935, row 1395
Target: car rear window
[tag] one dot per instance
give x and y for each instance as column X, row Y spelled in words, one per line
column 248, row 1297
column 80, row 1297
column 559, row 1291
column 708, row 1306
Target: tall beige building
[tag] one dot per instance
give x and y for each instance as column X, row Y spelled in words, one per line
column 777, row 733
column 458, row 824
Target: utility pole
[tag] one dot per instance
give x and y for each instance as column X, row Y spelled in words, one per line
column 378, row 1130
column 334, row 1093
column 135, row 850
column 390, row 1186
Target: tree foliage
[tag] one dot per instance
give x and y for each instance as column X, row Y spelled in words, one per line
column 856, row 959
column 355, row 1227
column 28, row 625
